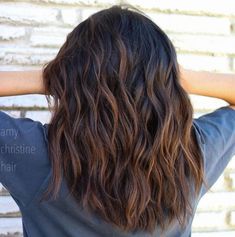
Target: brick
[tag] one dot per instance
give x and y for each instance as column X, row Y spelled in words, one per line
column 204, row 62
column 220, row 45
column 27, row 13
column 7, row 206
column 49, row 36
column 11, row 32
column 214, row 234
column 12, row 113
column 232, row 27
column 221, row 184
column 18, row 67
column 16, row 234
column 205, row 103
column 216, row 201
column 2, row 54
column 86, row 12
column 191, row 24
column 25, row 49
column 2, row 190
column 24, row 101
column 197, row 114
column 70, row 16
column 10, row 225
column 231, row 176
column 42, row 116
column 231, row 165
column 80, row 2
column 232, row 218
column 218, row 8
column 23, row 55
column 16, row 59
column 209, row 220
column 1, row 187
column 233, row 64
column 39, row 59
column 26, row 59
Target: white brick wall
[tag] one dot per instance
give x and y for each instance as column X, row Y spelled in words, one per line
column 203, row 32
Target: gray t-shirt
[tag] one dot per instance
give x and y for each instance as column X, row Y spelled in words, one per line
column 25, row 172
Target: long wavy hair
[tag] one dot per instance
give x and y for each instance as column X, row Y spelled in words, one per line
column 121, row 129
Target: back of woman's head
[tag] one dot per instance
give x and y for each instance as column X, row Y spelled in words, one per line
column 121, row 130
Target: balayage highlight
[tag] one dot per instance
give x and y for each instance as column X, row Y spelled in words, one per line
column 121, row 130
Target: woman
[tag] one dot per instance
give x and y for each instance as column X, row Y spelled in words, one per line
column 122, row 154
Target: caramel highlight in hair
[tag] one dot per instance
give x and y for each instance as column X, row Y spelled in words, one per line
column 121, row 132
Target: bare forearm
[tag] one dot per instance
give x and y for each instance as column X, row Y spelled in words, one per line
column 218, row 85
column 21, row 82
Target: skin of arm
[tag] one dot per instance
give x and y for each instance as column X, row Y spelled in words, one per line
column 21, row 82
column 218, row 85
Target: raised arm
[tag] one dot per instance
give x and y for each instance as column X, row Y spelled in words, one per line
column 21, row 82
column 218, row 85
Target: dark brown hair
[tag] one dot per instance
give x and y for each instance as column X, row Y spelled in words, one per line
column 121, row 131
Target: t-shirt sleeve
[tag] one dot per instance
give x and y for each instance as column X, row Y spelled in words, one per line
column 23, row 156
column 216, row 134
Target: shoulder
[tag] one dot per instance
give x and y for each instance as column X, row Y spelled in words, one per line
column 24, row 144
column 216, row 130
column 221, row 120
column 216, row 136
column 23, row 127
